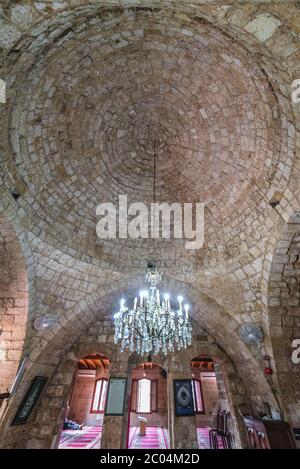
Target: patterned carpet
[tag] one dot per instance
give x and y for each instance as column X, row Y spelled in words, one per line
column 156, row 438
column 87, row 438
column 203, row 439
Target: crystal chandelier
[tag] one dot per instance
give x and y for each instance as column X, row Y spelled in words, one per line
column 152, row 326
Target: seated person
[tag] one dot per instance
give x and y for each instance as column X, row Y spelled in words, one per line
column 71, row 425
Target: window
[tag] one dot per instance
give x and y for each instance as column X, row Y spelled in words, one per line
column 144, row 396
column 99, row 397
column 198, row 398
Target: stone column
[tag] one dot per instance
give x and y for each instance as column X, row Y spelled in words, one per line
column 115, row 427
column 183, row 430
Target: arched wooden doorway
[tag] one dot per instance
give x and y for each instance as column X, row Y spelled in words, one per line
column 82, row 428
column 148, row 408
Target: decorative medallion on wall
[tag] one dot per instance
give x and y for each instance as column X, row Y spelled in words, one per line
column 183, row 398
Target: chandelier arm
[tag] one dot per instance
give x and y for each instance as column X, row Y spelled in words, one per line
column 136, row 330
column 169, row 334
column 163, row 327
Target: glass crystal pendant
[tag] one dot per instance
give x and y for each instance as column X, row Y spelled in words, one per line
column 152, row 326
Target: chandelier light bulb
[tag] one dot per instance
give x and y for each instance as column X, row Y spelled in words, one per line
column 166, row 296
column 180, row 300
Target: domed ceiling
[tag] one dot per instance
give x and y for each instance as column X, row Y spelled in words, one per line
column 98, row 100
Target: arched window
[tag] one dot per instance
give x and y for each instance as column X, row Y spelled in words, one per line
column 198, row 397
column 99, row 397
column 144, row 396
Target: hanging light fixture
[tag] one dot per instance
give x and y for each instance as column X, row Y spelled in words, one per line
column 152, row 325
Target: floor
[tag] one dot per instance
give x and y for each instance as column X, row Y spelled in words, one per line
column 87, row 438
column 203, row 439
column 155, row 438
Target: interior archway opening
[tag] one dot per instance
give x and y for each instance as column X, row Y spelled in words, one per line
column 148, row 422
column 211, row 405
column 84, row 418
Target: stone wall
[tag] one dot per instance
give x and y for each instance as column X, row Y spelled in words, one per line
column 284, row 313
column 13, row 304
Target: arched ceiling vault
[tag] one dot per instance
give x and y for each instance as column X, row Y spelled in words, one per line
column 49, row 347
column 283, row 313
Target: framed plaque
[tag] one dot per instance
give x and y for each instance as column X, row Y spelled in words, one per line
column 183, row 398
column 115, row 401
column 29, row 400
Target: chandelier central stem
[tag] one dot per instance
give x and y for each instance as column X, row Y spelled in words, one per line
column 152, row 325
column 154, row 199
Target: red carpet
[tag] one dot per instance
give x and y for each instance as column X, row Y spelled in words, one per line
column 155, row 438
column 87, row 438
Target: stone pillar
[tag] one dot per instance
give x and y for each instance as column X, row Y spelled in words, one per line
column 183, row 430
column 115, row 427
